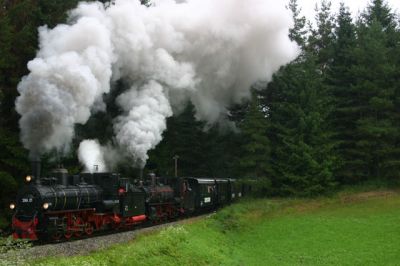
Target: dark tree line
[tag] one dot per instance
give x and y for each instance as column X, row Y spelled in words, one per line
column 334, row 111
column 331, row 117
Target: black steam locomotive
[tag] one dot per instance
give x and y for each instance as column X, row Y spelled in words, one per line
column 64, row 206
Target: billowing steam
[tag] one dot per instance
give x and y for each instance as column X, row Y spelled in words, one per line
column 67, row 79
column 205, row 51
column 90, row 153
column 140, row 129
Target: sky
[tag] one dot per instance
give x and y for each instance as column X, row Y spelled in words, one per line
column 355, row 6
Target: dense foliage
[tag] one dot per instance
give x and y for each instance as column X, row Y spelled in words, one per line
column 329, row 118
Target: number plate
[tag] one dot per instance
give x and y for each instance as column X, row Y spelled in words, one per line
column 25, row 200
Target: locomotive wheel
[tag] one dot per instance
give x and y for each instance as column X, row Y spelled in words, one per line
column 157, row 220
column 115, row 226
column 79, row 224
column 68, row 234
column 56, row 235
column 67, row 231
column 89, row 229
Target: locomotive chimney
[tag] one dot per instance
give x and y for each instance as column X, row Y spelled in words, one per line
column 36, row 167
column 141, row 173
column 153, row 180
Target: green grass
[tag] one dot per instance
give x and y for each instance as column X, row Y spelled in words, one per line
column 358, row 234
column 348, row 229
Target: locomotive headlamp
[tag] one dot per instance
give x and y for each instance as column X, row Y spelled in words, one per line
column 46, row 205
column 12, row 206
column 28, row 178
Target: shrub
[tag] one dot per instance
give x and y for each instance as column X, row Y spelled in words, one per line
column 8, row 243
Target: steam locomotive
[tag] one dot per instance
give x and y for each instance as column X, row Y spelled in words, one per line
column 63, row 206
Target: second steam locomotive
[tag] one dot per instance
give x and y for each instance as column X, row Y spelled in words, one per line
column 62, row 206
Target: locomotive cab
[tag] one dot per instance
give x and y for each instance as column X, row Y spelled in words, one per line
column 161, row 203
column 132, row 199
column 119, row 195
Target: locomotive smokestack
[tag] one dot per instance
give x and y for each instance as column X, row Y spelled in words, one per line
column 153, row 180
column 36, row 168
column 141, row 173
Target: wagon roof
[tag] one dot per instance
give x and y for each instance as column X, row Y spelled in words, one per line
column 207, row 180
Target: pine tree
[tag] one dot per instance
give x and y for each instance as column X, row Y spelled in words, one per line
column 301, row 157
column 255, row 155
column 363, row 83
column 345, row 98
column 6, row 58
column 298, row 32
column 379, row 10
column 298, row 108
column 374, row 74
column 321, row 39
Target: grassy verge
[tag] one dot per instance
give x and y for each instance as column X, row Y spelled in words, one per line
column 348, row 229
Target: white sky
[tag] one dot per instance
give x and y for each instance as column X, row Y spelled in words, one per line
column 308, row 6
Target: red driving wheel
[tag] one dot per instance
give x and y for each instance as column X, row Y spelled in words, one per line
column 89, row 229
column 79, row 225
column 56, row 235
column 68, row 234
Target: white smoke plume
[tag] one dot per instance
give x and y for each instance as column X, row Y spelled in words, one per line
column 67, row 79
column 141, row 128
column 208, row 52
column 90, row 153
